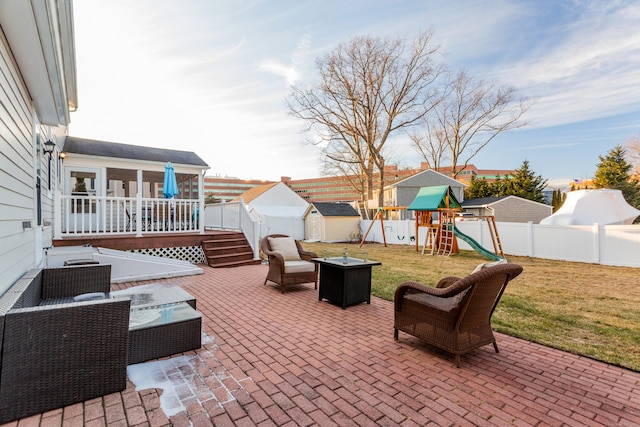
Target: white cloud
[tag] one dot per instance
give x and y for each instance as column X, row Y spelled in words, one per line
column 292, row 73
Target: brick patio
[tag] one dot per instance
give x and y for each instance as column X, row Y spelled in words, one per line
column 286, row 359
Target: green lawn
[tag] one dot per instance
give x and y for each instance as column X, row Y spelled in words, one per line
column 587, row 309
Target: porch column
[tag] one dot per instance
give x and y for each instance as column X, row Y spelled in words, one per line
column 200, row 215
column 139, row 203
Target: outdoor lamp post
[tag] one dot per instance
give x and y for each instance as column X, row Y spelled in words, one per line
column 49, row 147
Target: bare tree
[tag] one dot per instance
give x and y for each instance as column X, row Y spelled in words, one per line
column 369, row 89
column 633, row 151
column 472, row 114
column 431, row 145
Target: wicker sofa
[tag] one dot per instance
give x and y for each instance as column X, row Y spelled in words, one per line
column 56, row 351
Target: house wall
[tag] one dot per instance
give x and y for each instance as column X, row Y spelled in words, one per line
column 406, row 191
column 340, row 229
column 518, row 210
column 18, row 165
column 25, row 171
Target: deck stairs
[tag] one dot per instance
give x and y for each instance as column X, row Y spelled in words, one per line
column 228, row 249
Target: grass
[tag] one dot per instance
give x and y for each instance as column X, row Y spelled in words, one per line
column 586, row 309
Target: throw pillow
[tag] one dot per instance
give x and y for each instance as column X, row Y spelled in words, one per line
column 286, row 246
column 488, row 264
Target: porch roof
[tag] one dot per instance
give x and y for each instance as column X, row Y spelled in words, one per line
column 92, row 147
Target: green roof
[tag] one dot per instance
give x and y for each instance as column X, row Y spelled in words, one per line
column 434, row 198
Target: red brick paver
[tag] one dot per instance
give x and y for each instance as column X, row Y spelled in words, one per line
column 271, row 359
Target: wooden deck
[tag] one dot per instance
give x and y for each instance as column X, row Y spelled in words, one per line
column 126, row 242
column 221, row 248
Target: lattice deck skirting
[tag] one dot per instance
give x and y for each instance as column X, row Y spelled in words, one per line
column 193, row 254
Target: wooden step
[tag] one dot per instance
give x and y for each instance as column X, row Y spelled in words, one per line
column 229, row 249
column 231, row 264
column 230, row 255
column 214, row 244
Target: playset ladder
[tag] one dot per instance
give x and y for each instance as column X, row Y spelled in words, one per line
column 447, row 236
column 495, row 238
column 430, row 240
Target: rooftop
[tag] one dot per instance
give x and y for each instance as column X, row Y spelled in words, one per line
column 287, row 359
column 126, row 151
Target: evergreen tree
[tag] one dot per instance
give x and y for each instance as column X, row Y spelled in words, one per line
column 478, row 188
column 526, row 184
column 613, row 172
column 499, row 187
column 557, row 199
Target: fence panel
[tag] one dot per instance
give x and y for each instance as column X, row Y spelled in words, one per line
column 620, row 245
column 609, row 245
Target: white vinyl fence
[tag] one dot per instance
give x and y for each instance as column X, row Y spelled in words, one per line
column 617, row 245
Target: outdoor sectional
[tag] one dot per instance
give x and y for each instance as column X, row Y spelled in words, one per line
column 54, row 351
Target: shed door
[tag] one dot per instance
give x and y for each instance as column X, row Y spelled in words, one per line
column 314, row 225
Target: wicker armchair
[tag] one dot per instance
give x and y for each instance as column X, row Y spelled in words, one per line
column 455, row 316
column 290, row 267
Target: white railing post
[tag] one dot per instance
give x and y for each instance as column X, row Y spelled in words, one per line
column 138, row 214
column 200, row 207
column 139, row 203
column 222, row 214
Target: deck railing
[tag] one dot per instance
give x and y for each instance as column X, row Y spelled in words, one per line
column 80, row 215
column 234, row 216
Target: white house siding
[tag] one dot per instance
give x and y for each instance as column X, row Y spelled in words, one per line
column 17, row 164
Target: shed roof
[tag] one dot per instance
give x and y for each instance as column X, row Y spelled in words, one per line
column 481, row 201
column 254, row 192
column 434, row 198
column 92, row 147
column 335, row 209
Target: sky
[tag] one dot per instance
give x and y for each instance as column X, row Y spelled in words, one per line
column 212, row 76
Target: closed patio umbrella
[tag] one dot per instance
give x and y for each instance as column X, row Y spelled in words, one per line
column 170, row 186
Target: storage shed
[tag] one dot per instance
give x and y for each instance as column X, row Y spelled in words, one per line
column 508, row 208
column 332, row 222
column 278, row 209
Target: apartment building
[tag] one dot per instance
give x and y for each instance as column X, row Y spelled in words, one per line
column 336, row 188
column 227, row 188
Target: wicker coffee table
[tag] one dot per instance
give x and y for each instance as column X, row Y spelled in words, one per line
column 162, row 322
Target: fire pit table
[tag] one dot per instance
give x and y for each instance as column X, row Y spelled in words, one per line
column 345, row 281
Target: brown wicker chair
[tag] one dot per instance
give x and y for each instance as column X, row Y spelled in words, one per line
column 455, row 316
column 289, row 272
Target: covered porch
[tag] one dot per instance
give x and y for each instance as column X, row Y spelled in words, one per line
column 118, row 189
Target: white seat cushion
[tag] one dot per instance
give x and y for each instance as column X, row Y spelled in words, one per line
column 286, row 247
column 298, row 266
